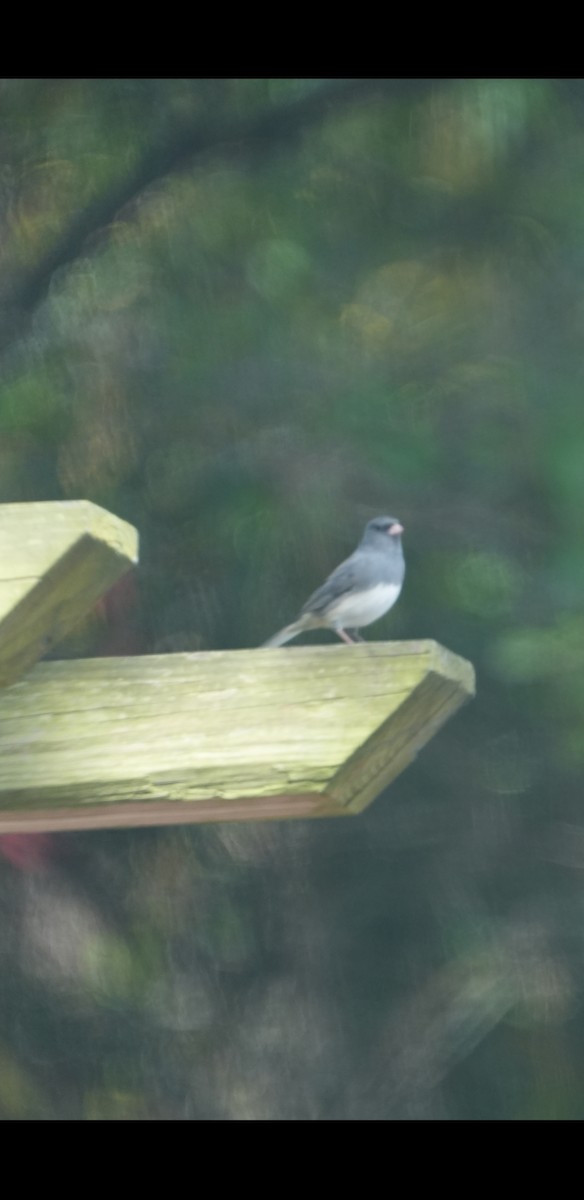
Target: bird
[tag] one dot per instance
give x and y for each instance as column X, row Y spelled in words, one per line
column 359, row 591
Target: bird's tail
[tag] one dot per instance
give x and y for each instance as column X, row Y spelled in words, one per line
column 286, row 634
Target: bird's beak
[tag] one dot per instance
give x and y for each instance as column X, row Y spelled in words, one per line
column 395, row 529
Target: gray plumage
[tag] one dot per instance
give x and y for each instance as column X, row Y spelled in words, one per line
column 360, row 590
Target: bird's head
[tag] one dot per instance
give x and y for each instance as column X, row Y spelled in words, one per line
column 382, row 528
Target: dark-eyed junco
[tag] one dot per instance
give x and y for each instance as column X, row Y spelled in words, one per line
column 359, row 591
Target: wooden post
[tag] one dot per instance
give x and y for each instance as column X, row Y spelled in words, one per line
column 301, row 731
column 56, row 559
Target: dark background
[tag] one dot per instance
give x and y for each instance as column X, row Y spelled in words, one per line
column 247, row 315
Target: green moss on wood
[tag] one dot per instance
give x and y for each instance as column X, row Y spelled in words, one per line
column 229, row 735
column 56, row 559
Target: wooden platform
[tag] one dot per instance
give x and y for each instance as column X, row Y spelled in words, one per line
column 266, row 734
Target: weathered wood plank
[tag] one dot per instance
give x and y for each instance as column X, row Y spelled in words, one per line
column 56, row 559
column 239, row 735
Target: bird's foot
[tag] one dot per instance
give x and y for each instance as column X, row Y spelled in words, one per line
column 345, row 637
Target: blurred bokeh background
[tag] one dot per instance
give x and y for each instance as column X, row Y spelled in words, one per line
column 247, row 315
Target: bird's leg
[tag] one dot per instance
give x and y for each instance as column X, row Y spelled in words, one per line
column 341, row 633
column 356, row 636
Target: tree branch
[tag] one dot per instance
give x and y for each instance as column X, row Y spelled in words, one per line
column 268, row 129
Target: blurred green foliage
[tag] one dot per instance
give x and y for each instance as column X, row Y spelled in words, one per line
column 247, row 315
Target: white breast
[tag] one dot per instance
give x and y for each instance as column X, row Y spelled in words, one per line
column 351, row 612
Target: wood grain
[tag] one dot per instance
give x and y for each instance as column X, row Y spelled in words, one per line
column 56, row 559
column 238, row 735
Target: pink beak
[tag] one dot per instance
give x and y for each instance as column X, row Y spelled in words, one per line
column 396, row 529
